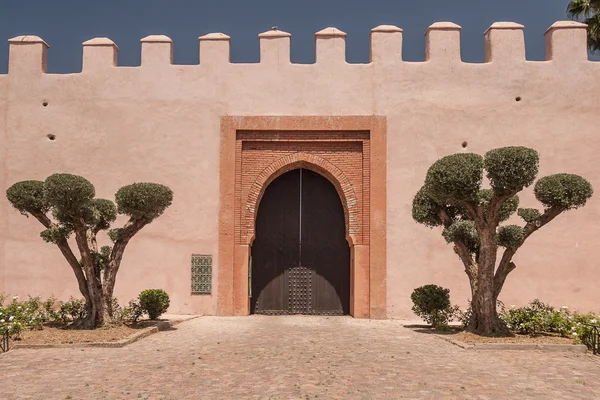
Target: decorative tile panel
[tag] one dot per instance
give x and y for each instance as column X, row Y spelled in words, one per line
column 201, row 274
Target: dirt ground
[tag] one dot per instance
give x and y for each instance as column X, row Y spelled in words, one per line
column 61, row 335
column 458, row 334
column 548, row 338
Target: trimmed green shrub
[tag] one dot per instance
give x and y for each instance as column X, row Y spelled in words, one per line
column 528, row 214
column 425, row 210
column 432, row 304
column 511, row 168
column 563, row 190
column 154, row 302
column 510, row 236
column 455, row 179
column 67, row 193
column 28, row 196
column 464, row 231
column 143, row 200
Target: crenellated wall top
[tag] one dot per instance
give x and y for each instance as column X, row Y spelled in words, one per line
column 566, row 42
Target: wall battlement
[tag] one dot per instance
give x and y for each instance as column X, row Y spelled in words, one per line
column 566, row 42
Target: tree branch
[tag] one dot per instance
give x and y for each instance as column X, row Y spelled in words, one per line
column 133, row 226
column 66, row 251
column 473, row 210
column 542, row 220
column 463, row 252
column 81, row 238
column 506, row 266
column 493, row 209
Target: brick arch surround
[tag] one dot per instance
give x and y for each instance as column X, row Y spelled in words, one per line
column 349, row 151
column 333, row 174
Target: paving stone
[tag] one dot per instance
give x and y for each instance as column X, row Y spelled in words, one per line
column 295, row 357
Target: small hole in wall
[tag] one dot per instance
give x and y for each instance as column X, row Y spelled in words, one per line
column 518, row 98
column 464, row 145
column 51, row 137
column 45, row 104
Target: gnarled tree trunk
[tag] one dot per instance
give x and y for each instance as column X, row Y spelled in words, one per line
column 485, row 320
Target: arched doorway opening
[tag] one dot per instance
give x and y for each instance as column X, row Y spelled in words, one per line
column 300, row 255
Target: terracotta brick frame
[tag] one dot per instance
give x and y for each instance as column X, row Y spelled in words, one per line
column 237, row 212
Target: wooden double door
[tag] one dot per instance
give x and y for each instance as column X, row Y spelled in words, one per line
column 300, row 259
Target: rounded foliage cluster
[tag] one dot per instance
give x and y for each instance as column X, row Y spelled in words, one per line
column 510, row 236
column 510, row 169
column 508, row 208
column 56, row 234
column 563, row 190
column 463, row 231
column 528, row 214
column 454, row 179
column 432, row 303
column 424, row 209
column 28, row 196
column 154, row 302
column 143, row 200
column 100, row 213
column 68, row 193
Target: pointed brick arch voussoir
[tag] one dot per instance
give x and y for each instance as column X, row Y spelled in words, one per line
column 307, row 161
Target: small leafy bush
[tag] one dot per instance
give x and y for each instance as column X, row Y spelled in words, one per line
column 128, row 314
column 432, row 304
column 535, row 318
column 17, row 315
column 581, row 330
column 70, row 310
column 154, row 302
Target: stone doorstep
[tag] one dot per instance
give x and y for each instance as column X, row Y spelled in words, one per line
column 576, row 348
column 160, row 326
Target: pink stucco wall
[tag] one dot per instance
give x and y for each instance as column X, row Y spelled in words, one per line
column 160, row 122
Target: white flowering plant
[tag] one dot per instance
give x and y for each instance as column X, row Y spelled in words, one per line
column 538, row 318
column 17, row 315
column 32, row 313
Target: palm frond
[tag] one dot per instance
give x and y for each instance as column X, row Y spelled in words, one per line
column 580, row 8
column 593, row 32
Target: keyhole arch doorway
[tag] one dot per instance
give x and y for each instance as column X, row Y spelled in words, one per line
column 248, row 141
column 300, row 256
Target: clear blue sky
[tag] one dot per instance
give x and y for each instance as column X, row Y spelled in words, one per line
column 65, row 24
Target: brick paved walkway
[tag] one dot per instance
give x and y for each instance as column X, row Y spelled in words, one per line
column 295, row 358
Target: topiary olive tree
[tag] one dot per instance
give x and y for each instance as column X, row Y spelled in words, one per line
column 65, row 205
column 452, row 197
